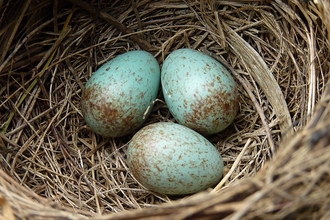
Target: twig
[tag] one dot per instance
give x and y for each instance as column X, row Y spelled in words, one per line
column 111, row 20
column 47, row 57
column 29, row 36
column 72, row 164
column 238, row 159
column 14, row 30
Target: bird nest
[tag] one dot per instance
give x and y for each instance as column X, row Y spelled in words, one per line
column 276, row 152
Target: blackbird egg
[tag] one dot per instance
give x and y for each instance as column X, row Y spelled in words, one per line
column 172, row 159
column 119, row 95
column 199, row 92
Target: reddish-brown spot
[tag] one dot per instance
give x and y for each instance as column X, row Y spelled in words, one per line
column 110, row 114
column 141, row 95
column 140, row 163
column 220, row 103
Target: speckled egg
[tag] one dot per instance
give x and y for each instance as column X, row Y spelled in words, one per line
column 117, row 96
column 199, row 92
column 172, row 159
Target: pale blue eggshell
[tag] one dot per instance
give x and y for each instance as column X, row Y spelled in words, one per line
column 172, row 159
column 199, row 92
column 118, row 94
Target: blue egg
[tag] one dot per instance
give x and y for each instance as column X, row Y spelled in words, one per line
column 172, row 159
column 118, row 97
column 199, row 92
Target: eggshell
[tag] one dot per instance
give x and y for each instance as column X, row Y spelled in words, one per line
column 172, row 159
column 199, row 92
column 118, row 94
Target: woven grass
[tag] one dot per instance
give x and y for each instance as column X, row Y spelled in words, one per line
column 276, row 153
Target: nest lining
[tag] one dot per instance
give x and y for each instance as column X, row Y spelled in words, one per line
column 277, row 52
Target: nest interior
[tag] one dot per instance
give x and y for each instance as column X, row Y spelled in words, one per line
column 275, row 152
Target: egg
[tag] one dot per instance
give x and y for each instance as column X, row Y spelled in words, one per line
column 169, row 158
column 119, row 95
column 199, row 92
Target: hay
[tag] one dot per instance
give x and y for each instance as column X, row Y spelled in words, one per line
column 276, row 152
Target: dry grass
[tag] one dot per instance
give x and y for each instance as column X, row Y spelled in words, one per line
column 275, row 153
